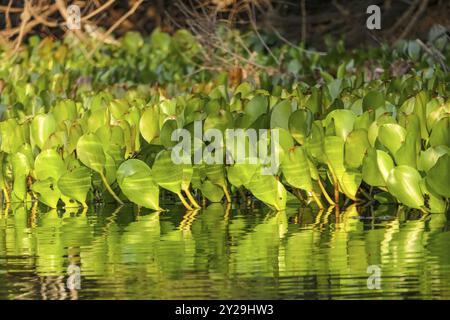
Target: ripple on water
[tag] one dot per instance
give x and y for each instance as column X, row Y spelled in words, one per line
column 220, row 254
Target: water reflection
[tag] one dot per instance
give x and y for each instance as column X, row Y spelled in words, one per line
column 222, row 252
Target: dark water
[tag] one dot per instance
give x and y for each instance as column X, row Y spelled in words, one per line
column 223, row 254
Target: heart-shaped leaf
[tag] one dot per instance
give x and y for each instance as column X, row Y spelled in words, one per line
column 136, row 182
column 90, row 152
column 438, row 177
column 76, row 184
column 392, row 136
column 404, row 183
column 295, row 169
column 300, row 125
column 42, row 126
column 49, row 164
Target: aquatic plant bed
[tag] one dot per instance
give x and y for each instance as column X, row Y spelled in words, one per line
column 364, row 126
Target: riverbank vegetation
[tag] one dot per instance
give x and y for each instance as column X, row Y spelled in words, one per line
column 88, row 123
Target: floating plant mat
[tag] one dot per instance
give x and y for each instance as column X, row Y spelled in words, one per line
column 141, row 118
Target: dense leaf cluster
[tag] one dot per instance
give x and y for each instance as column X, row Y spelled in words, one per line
column 361, row 126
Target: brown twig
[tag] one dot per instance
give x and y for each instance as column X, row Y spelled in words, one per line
column 433, row 54
column 7, row 17
column 412, row 22
column 24, row 17
column 116, row 24
column 12, row 32
column 404, row 17
column 40, row 19
column 98, row 10
column 8, row 8
column 303, row 13
column 255, row 28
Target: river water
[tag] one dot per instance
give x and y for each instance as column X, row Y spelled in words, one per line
column 223, row 253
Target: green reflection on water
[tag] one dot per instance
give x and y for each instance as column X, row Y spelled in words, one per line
column 223, row 253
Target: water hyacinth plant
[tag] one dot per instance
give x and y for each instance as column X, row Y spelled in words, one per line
column 73, row 132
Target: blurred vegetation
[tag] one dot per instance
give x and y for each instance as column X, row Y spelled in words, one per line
column 309, row 21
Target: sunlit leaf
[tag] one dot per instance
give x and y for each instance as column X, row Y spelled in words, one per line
column 404, row 183
column 90, row 152
column 438, row 177
column 136, row 182
column 76, row 184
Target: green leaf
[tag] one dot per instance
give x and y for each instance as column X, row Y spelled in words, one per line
column 365, row 120
column 42, row 126
column 136, row 182
column 373, row 100
column 314, row 142
column 335, row 88
column 256, row 107
column 343, row 120
column 334, row 150
column 49, row 164
column 166, row 173
column 149, row 124
column 216, row 174
column 241, row 173
column 420, row 101
column 433, row 202
column 21, row 169
column 440, row 133
column 49, row 193
column 65, row 110
column 119, row 107
column 11, row 136
column 219, row 120
column 76, row 184
column 295, row 169
column 355, row 148
column 429, row 157
column 300, row 123
column 269, row 190
column 132, row 41
column 385, row 164
column 212, row 191
column 110, row 169
column 370, row 172
column 280, row 113
column 167, row 129
column 407, row 154
column 90, row 152
column 438, row 177
column 404, row 183
column 349, row 183
column 98, row 118
column 392, row 136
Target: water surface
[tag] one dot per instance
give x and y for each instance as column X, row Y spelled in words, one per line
column 222, row 253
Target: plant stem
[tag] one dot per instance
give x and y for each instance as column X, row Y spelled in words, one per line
column 325, row 193
column 336, row 185
column 336, row 195
column 227, row 195
column 317, row 200
column 6, row 195
column 191, row 198
column 243, row 195
column 203, row 201
column 110, row 190
column 33, row 214
column 298, row 194
column 364, row 193
column 184, row 202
